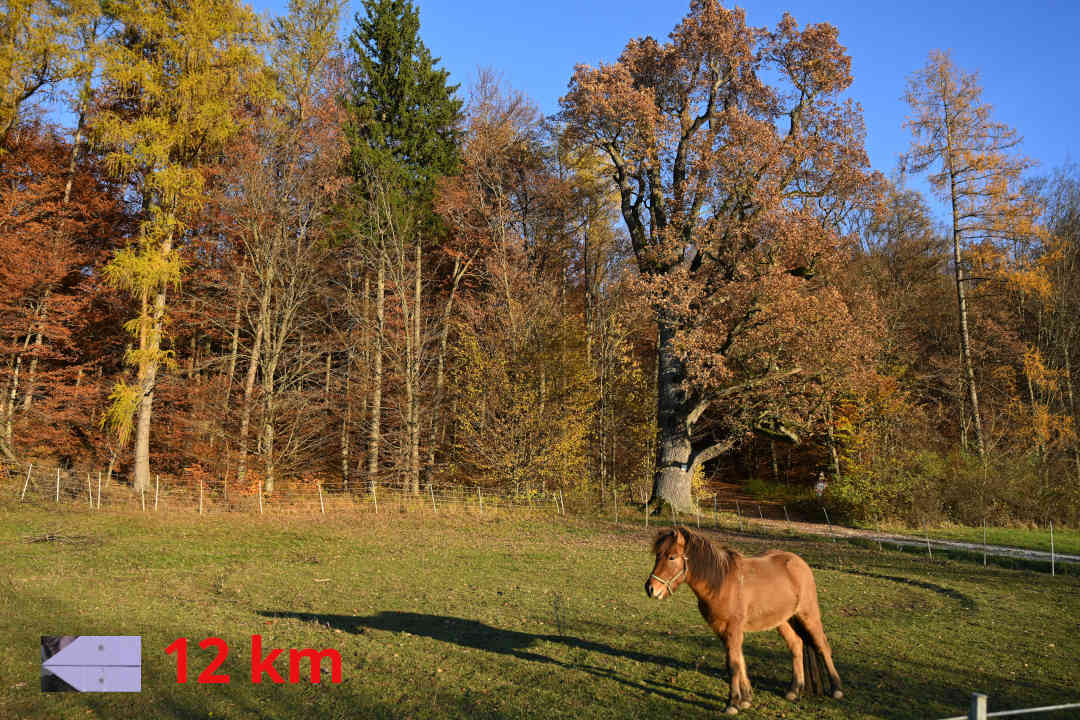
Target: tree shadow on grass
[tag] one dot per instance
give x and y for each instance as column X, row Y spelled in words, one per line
column 517, row 644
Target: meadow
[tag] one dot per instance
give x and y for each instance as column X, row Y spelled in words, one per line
column 501, row 615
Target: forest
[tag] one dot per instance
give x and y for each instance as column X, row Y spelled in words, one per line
column 234, row 247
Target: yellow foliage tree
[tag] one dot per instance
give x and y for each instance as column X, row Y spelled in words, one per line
column 176, row 74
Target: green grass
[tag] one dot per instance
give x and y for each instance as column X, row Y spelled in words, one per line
column 496, row 616
column 1065, row 541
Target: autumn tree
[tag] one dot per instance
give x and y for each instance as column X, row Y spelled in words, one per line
column 175, row 74
column 282, row 185
column 969, row 154
column 733, row 191
column 403, row 135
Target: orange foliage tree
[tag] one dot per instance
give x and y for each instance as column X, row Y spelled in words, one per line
column 734, row 191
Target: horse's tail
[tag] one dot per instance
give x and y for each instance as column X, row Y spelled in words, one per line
column 812, row 670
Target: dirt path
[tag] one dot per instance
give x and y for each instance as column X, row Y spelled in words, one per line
column 731, row 497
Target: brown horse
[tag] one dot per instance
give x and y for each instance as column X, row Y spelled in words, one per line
column 737, row 594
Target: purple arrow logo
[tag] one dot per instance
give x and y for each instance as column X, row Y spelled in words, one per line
column 99, row 663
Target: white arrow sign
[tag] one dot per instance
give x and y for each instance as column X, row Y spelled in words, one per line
column 100, row 663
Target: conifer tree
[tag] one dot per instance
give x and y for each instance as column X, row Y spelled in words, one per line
column 403, row 134
column 403, row 114
column 969, row 155
column 182, row 68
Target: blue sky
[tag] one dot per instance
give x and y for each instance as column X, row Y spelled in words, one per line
column 1026, row 53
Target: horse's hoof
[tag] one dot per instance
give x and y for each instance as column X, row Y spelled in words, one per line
column 732, row 710
column 744, row 704
column 792, row 695
column 838, row 694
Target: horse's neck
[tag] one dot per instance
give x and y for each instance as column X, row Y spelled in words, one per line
column 707, row 584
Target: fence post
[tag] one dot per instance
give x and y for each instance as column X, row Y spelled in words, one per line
column 99, row 490
column 984, row 542
column 431, row 491
column 89, row 492
column 1051, row 548
column 828, row 522
column 926, row 535
column 57, row 486
column 375, row 497
column 157, row 487
column 978, row 707
column 480, row 498
column 787, row 518
column 28, row 471
column 615, row 500
column 200, row 496
column 562, row 502
column 738, row 513
column 321, row 505
column 259, row 491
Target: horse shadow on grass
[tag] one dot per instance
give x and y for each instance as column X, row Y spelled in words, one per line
column 520, row 645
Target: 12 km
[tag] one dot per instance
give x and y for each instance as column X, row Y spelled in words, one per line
column 259, row 664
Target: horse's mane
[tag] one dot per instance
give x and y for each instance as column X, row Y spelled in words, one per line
column 704, row 560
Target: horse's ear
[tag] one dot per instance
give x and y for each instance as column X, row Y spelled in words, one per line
column 680, row 539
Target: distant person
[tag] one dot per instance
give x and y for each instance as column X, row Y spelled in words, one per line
column 819, row 488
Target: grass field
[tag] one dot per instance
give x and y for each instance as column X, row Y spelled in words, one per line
column 500, row 616
column 1065, row 541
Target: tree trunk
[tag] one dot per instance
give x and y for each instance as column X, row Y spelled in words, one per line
column 148, row 369
column 671, row 481
column 414, row 430
column 440, row 365
column 249, row 386
column 346, row 418
column 376, row 378
column 961, row 296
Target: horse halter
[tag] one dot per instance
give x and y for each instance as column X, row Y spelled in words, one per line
column 667, row 583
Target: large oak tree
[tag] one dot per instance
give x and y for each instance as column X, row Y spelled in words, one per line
column 737, row 163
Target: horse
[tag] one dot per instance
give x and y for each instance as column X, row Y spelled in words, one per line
column 738, row 594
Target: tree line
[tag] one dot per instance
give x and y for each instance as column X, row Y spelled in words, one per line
column 237, row 247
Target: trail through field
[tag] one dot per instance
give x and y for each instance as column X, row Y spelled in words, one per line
column 764, row 513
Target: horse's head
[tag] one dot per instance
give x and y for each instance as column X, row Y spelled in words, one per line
column 670, row 568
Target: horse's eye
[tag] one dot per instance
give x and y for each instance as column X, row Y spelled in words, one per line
column 671, row 557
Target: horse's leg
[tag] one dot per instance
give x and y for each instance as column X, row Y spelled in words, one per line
column 795, row 645
column 812, row 622
column 740, row 681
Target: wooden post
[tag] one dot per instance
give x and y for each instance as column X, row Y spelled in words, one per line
column 738, row 513
column 715, row 517
column 157, row 488
column 431, row 491
column 142, row 497
column 615, row 500
column 57, row 486
column 260, row 497
column 1052, row 548
column 978, row 707
column 200, row 496
column 225, row 488
column 375, row 497
column 828, row 522
column 927, row 536
column 984, row 542
column 480, row 498
column 562, row 502
column 99, row 490
column 89, row 492
column 321, row 505
column 28, row 471
column 646, row 511
column 787, row 518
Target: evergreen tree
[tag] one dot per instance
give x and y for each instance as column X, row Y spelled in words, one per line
column 403, row 116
